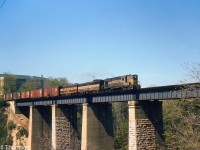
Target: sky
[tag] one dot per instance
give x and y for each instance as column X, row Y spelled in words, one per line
column 98, row 39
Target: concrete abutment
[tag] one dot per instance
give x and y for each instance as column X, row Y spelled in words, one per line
column 97, row 127
column 64, row 127
column 40, row 128
column 52, row 127
column 145, row 125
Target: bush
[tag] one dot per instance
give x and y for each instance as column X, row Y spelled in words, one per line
column 9, row 140
column 3, row 121
column 11, row 125
column 3, row 135
column 22, row 132
column 182, row 124
column 121, row 134
column 2, row 103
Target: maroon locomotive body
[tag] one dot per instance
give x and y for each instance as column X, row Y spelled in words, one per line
column 93, row 86
column 69, row 90
column 122, row 82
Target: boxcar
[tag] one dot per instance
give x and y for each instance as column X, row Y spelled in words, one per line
column 2, row 96
column 47, row 92
column 8, row 96
column 16, row 95
column 54, row 91
column 25, row 95
column 36, row 93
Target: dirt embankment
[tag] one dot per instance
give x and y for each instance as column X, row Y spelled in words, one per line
column 17, row 124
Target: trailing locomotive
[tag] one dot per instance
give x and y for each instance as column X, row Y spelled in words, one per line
column 126, row 82
column 88, row 87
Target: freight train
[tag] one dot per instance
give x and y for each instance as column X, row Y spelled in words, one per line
column 126, row 82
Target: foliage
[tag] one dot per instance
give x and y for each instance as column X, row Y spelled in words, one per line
column 3, row 128
column 21, row 132
column 3, row 135
column 3, row 120
column 182, row 124
column 11, row 125
column 121, row 134
column 36, row 84
column 120, row 116
column 9, row 83
column 193, row 70
column 51, row 82
column 30, row 85
column 2, row 103
column 182, row 118
column 9, row 140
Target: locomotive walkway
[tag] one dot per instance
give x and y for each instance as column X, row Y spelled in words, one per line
column 56, row 117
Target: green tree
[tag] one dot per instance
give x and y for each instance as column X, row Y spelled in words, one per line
column 3, row 120
column 51, row 82
column 30, row 85
column 36, row 84
column 9, row 85
column 182, row 124
column 120, row 118
column 182, row 117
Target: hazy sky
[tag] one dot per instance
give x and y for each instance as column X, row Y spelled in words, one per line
column 87, row 39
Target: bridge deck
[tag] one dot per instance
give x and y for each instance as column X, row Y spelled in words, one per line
column 151, row 93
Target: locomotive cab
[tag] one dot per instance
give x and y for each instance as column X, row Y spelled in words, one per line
column 121, row 82
column 131, row 80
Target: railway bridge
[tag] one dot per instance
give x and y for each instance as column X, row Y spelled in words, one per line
column 53, row 120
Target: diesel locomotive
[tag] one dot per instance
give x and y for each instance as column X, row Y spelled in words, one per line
column 126, row 82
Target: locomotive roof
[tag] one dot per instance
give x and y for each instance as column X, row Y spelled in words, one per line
column 71, row 85
column 118, row 77
column 91, row 82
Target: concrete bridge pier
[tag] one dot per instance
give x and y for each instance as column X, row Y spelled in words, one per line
column 97, row 127
column 145, row 125
column 40, row 128
column 64, row 127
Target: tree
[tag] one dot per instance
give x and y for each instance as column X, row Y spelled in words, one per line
column 36, row 84
column 9, row 85
column 182, row 118
column 193, row 70
column 30, row 85
column 3, row 121
column 51, row 82
column 120, row 118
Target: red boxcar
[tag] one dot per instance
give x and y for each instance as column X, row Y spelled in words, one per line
column 16, row 95
column 47, row 92
column 53, row 91
column 8, row 97
column 36, row 93
column 1, row 96
column 25, row 94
